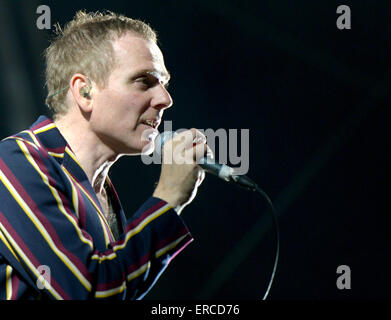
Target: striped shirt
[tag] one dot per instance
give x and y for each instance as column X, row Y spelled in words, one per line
column 55, row 241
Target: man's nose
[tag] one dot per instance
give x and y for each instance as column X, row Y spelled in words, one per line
column 162, row 99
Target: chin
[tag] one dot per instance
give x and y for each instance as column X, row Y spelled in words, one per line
column 142, row 145
column 141, row 149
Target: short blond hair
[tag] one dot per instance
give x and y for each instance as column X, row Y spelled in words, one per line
column 85, row 46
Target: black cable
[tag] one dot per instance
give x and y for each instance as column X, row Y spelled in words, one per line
column 245, row 182
column 277, row 229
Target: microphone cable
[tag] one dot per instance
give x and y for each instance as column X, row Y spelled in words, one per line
column 277, row 233
column 247, row 183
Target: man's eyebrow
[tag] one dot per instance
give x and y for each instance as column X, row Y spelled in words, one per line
column 155, row 73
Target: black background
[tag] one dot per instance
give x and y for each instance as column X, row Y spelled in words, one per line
column 315, row 101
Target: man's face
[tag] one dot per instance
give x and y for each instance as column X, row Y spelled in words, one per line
column 134, row 97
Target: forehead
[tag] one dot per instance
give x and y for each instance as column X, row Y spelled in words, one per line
column 133, row 53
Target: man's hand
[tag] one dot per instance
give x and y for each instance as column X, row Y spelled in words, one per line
column 180, row 175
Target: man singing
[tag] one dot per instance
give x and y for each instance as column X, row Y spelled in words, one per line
column 63, row 232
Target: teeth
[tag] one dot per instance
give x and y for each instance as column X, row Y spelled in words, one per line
column 150, row 123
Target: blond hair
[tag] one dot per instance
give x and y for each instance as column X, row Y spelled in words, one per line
column 85, row 46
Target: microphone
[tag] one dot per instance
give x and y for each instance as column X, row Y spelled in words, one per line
column 222, row 171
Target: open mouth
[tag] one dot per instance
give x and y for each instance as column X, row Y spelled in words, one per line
column 152, row 123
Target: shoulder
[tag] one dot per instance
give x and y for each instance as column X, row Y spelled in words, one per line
column 19, row 142
column 24, row 157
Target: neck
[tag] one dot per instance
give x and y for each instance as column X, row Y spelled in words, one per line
column 94, row 157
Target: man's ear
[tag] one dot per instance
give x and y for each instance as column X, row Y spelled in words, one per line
column 81, row 88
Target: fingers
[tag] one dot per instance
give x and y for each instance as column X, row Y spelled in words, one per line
column 190, row 138
column 198, row 136
column 201, row 177
column 209, row 152
column 188, row 147
column 200, row 151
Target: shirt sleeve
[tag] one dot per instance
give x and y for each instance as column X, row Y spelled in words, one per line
column 41, row 234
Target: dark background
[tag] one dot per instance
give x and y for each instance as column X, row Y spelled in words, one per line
column 315, row 99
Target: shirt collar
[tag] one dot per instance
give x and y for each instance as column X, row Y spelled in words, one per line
column 50, row 138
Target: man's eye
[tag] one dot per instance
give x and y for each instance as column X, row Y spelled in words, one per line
column 144, row 82
column 147, row 82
